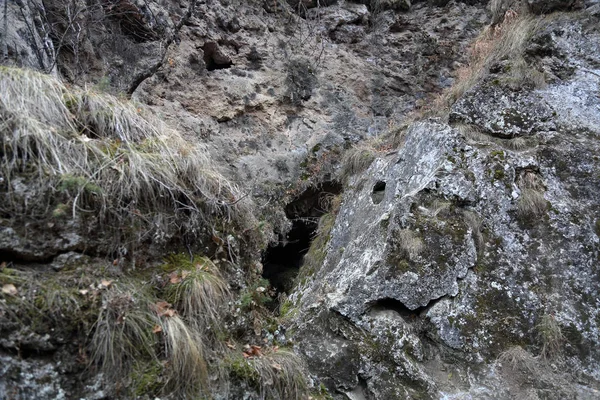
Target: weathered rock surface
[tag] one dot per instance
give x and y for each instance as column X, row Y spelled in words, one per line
column 433, row 280
column 446, row 252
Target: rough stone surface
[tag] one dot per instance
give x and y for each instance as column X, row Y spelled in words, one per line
column 485, row 275
column 435, row 266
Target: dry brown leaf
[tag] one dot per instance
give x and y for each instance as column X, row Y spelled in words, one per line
column 10, row 289
column 106, row 283
column 278, row 367
column 84, row 291
column 174, row 277
column 157, row 329
column 185, row 274
column 230, row 345
column 163, row 309
column 115, row 262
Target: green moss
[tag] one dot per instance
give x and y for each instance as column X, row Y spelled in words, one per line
column 255, row 295
column 321, row 393
column 185, row 262
column 75, row 183
column 147, row 379
column 60, row 211
column 314, row 258
column 241, row 369
column 287, row 309
column 598, row 227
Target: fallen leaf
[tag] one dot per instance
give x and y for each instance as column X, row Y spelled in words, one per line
column 163, row 309
column 230, row 345
column 278, row 367
column 115, row 262
column 252, row 351
column 185, row 274
column 174, row 277
column 84, row 291
column 10, row 289
column 156, row 329
column 106, row 283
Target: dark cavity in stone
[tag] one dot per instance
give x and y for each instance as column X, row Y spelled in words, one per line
column 378, row 192
column 281, row 263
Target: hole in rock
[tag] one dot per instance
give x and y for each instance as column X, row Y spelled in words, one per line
column 378, row 192
column 281, row 263
column 214, row 58
column 390, row 304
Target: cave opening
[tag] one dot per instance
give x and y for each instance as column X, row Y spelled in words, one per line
column 282, row 262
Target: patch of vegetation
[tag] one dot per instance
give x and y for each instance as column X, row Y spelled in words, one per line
column 101, row 154
column 256, row 295
column 317, row 252
column 196, row 288
column 531, row 204
column 551, row 337
column 275, row 373
column 356, row 160
column 300, row 81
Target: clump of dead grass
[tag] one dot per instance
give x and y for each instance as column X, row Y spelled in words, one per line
column 531, row 204
column 357, row 159
column 143, row 174
column 197, row 289
column 409, row 244
column 502, row 42
column 551, row 337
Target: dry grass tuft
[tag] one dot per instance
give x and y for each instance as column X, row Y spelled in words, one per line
column 519, row 360
column 123, row 331
column 276, row 374
column 357, row 159
column 551, row 337
column 410, row 245
column 531, row 204
column 118, row 161
column 505, row 41
column 199, row 291
column 474, row 222
column 187, row 369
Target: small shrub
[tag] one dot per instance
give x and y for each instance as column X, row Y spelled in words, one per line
column 300, row 81
column 256, row 295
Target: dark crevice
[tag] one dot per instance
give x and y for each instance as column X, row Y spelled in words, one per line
column 214, row 57
column 281, row 263
column 391, row 304
column 378, row 192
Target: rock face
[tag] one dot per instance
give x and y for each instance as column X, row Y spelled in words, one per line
column 436, row 279
column 463, row 261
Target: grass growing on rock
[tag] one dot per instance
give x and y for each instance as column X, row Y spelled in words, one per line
column 275, row 373
column 197, row 289
column 107, row 158
column 500, row 43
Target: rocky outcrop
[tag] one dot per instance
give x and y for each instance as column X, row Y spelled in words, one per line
column 475, row 246
column 462, row 261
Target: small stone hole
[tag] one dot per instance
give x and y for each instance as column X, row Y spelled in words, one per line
column 378, row 192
